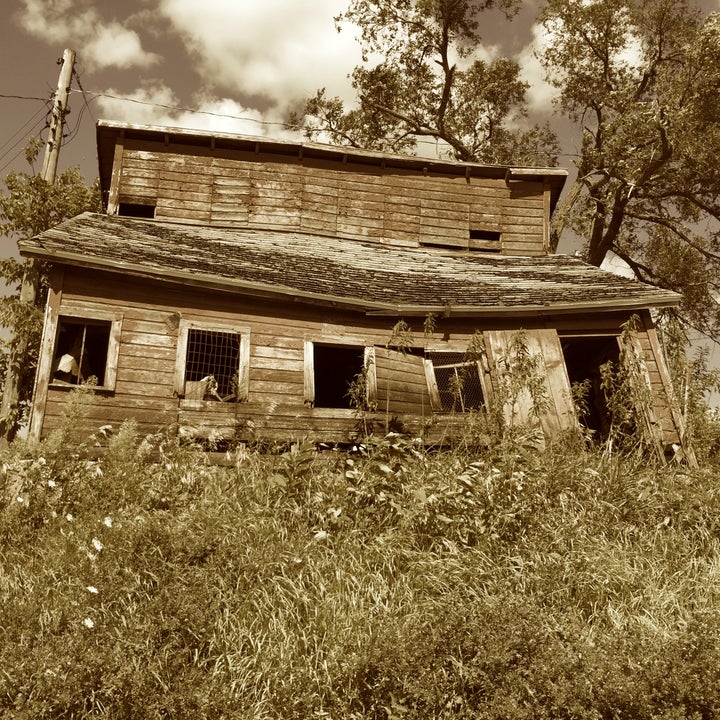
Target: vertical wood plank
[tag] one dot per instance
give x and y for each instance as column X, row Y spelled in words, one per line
column 47, row 345
column 370, row 366
column 180, row 357
column 113, row 353
column 433, row 389
column 243, row 388
column 560, row 415
column 309, row 372
column 114, row 190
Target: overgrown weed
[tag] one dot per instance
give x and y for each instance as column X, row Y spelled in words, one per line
column 384, row 582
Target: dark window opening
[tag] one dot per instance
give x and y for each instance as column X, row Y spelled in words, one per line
column 136, row 210
column 485, row 240
column 81, row 352
column 335, row 367
column 458, row 382
column 584, row 357
column 212, row 365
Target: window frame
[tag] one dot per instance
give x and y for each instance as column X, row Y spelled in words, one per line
column 434, row 389
column 184, row 328
column 91, row 317
column 347, row 341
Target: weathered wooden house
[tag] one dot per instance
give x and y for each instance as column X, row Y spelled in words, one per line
column 238, row 286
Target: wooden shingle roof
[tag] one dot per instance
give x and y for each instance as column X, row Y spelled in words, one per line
column 323, row 270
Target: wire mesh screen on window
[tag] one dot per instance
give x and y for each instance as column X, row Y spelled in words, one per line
column 458, row 382
column 214, row 354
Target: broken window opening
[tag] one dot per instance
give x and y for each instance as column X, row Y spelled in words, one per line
column 335, row 368
column 138, row 210
column 584, row 356
column 81, row 351
column 212, row 365
column 458, row 382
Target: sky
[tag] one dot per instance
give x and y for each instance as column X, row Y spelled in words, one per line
column 225, row 65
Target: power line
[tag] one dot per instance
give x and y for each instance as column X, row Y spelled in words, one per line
column 23, row 97
column 185, row 109
column 85, row 100
column 38, row 126
column 11, row 139
column 278, row 123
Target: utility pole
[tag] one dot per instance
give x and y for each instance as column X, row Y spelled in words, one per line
column 57, row 119
column 31, row 274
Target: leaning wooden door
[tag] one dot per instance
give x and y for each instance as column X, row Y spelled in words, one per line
column 549, row 403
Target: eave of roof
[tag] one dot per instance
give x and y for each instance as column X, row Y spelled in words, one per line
column 311, row 269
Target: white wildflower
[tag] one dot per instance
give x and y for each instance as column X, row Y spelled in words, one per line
column 92, row 589
column 41, row 461
column 52, row 483
column 97, row 544
column 88, row 623
column 20, row 499
column 107, row 522
column 69, row 517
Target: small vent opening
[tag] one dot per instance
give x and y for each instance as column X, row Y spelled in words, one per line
column 136, row 210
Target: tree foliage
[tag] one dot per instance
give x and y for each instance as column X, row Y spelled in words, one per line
column 641, row 80
column 28, row 206
column 422, row 77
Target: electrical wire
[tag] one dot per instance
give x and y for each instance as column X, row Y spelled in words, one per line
column 185, row 109
column 285, row 125
column 12, row 138
column 84, row 94
column 22, row 97
column 36, row 129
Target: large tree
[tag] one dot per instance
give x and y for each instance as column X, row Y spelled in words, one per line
column 28, row 206
column 640, row 78
column 422, row 77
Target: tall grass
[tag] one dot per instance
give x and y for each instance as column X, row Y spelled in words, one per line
column 387, row 582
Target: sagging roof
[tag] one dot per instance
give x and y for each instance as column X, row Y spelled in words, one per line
column 323, row 270
column 110, row 133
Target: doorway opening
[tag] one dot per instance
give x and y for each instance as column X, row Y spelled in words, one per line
column 584, row 356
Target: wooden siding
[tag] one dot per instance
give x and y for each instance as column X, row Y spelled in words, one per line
column 351, row 200
column 276, row 407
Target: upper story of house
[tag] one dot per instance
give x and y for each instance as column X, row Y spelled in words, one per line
column 223, row 180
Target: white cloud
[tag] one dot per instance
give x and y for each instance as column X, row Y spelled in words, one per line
column 116, row 46
column 144, row 106
column 99, row 44
column 277, row 49
column 541, row 93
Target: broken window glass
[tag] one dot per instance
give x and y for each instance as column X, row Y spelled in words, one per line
column 81, row 351
column 335, row 369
